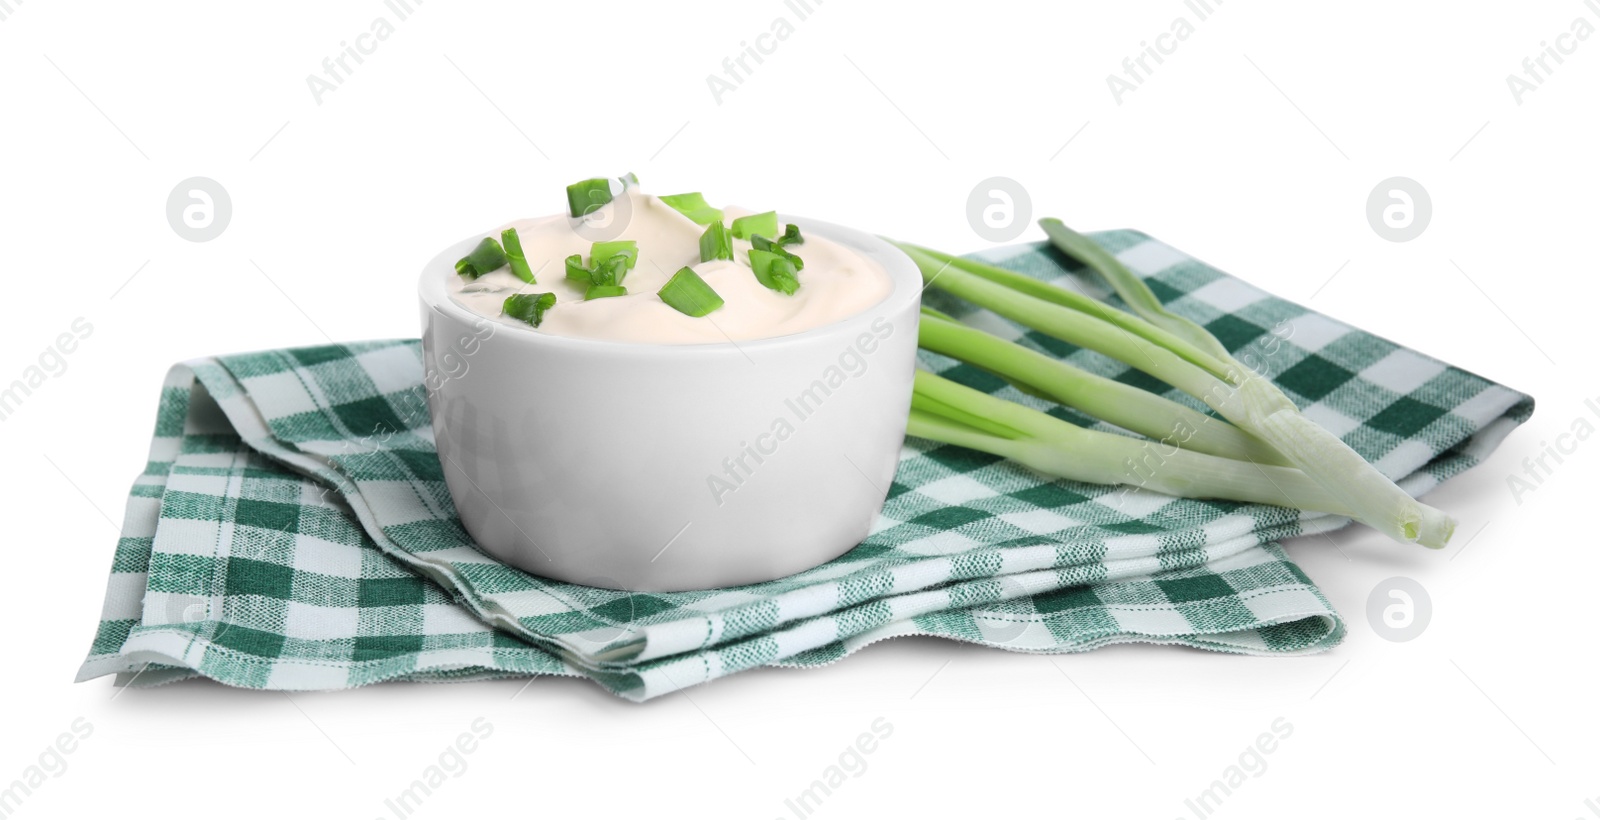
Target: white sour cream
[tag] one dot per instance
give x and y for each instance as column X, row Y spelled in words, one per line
column 837, row 282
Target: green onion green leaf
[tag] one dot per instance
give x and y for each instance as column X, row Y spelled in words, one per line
column 519, row 262
column 609, row 272
column 603, row 291
column 602, row 252
column 775, row 271
column 575, row 269
column 528, row 307
column 688, row 294
column 761, row 243
column 756, row 224
column 716, row 243
column 693, row 206
column 791, row 235
column 584, row 198
column 485, row 258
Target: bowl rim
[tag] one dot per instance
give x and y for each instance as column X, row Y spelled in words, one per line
column 904, row 276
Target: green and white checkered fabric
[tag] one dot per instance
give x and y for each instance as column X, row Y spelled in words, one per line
column 292, row 529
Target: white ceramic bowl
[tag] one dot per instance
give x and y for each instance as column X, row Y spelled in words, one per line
column 671, row 467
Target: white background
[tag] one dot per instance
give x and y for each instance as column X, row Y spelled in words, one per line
column 1254, row 146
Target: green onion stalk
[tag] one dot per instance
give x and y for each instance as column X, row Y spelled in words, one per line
column 956, row 414
column 1261, row 450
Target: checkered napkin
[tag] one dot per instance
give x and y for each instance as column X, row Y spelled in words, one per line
column 292, row 529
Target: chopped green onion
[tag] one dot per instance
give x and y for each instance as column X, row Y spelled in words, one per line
column 756, row 224
column 485, row 258
column 528, row 307
column 576, row 271
column 610, row 272
column 774, row 271
column 602, row 252
column 783, row 277
column 688, row 294
column 693, row 206
column 603, row 291
column 715, row 243
column 629, row 180
column 584, row 198
column 791, row 235
column 761, row 243
column 519, row 262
